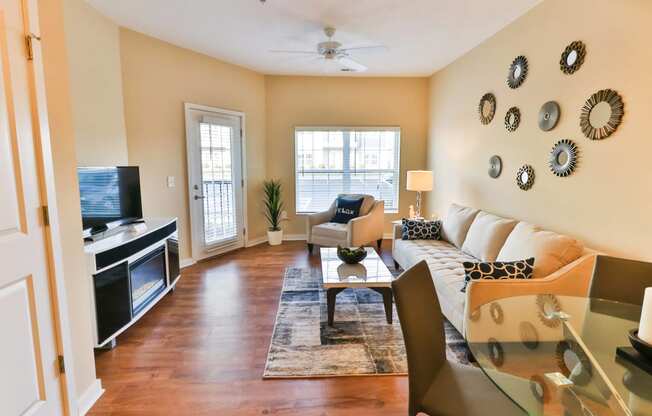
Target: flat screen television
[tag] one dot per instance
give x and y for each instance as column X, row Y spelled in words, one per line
column 110, row 196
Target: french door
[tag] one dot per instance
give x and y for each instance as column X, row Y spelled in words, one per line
column 216, row 185
column 31, row 382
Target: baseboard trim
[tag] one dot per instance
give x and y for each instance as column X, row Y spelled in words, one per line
column 186, row 263
column 90, row 396
column 255, row 241
column 295, row 237
column 388, row 236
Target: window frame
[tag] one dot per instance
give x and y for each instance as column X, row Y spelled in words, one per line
column 348, row 129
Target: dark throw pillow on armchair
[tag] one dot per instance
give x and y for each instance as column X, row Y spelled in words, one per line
column 521, row 269
column 346, row 209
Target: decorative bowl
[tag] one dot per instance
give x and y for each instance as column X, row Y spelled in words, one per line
column 639, row 345
column 351, row 255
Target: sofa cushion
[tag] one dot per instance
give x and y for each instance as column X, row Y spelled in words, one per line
column 486, row 236
column 551, row 251
column 331, row 230
column 456, row 224
column 445, row 263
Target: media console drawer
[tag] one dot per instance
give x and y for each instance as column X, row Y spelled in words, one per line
column 122, row 252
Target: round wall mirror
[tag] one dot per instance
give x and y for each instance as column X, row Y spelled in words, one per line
column 512, row 119
column 517, row 72
column 525, row 177
column 495, row 166
column 601, row 114
column 487, row 108
column 549, row 115
column 563, row 158
column 572, row 57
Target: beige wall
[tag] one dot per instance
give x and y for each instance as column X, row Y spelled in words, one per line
column 57, row 79
column 158, row 78
column 607, row 201
column 95, row 86
column 324, row 101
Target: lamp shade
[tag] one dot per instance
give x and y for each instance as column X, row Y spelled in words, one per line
column 419, row 180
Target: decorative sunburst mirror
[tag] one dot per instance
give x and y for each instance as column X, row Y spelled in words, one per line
column 572, row 58
column 487, row 108
column 512, row 119
column 601, row 114
column 525, row 177
column 517, row 72
column 563, row 157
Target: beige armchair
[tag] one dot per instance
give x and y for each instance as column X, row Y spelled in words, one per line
column 360, row 231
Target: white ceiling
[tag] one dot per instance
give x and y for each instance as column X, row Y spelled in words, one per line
column 422, row 36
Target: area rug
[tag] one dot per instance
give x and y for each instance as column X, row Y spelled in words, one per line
column 360, row 343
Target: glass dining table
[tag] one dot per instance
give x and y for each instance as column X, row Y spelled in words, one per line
column 556, row 355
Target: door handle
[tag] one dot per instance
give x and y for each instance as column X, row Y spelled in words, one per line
column 199, row 197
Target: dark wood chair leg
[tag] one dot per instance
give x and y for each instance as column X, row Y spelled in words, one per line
column 379, row 243
column 396, row 265
column 310, row 246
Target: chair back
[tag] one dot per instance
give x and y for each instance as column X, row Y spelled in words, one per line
column 620, row 280
column 423, row 327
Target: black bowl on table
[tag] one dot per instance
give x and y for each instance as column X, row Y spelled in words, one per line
column 639, row 345
column 351, row 255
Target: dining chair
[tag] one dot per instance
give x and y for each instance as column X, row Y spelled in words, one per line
column 438, row 386
column 620, row 280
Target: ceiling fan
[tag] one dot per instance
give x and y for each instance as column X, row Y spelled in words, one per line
column 331, row 50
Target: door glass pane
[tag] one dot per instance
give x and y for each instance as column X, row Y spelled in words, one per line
column 217, row 183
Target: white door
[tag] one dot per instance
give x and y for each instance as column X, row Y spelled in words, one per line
column 216, row 184
column 29, row 376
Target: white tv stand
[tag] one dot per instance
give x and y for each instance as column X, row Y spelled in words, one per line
column 130, row 269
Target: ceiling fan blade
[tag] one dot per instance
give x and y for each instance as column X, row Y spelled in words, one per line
column 362, row 48
column 350, row 65
column 294, row 52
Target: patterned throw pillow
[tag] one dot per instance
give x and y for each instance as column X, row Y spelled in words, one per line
column 421, row 229
column 521, row 269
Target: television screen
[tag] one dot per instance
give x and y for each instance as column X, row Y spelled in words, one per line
column 109, row 196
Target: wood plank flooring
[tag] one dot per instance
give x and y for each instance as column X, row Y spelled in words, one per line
column 202, row 350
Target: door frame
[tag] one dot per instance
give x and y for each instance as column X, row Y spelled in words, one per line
column 47, row 194
column 187, row 107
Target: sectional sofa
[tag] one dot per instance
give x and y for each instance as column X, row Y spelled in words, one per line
column 562, row 265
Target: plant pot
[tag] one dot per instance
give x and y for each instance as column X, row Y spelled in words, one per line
column 275, row 238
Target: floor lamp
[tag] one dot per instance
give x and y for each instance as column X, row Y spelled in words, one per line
column 419, row 181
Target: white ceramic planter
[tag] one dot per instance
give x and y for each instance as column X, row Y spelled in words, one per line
column 275, row 238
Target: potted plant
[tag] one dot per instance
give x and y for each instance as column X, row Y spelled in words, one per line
column 273, row 211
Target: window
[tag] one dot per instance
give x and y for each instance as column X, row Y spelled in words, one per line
column 330, row 161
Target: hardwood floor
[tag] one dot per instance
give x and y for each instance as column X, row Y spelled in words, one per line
column 202, row 350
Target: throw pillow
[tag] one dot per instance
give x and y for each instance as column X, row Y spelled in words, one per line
column 346, row 209
column 421, row 229
column 522, row 269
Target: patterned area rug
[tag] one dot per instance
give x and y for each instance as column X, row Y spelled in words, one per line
column 360, row 342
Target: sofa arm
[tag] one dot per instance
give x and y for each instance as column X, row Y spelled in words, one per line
column 571, row 280
column 367, row 228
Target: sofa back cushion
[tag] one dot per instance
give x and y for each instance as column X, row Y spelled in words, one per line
column 367, row 201
column 551, row 251
column 487, row 235
column 456, row 224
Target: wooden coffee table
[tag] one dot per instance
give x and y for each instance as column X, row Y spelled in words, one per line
column 370, row 273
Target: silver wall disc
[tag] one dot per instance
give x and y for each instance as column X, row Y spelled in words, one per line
column 495, row 166
column 549, row 115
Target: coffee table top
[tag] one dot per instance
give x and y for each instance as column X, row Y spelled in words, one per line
column 370, row 272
